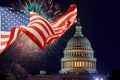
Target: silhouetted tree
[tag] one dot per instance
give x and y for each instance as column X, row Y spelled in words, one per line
column 114, row 75
column 3, row 74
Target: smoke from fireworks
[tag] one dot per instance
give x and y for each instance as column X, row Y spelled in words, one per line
column 23, row 49
column 25, row 52
column 47, row 10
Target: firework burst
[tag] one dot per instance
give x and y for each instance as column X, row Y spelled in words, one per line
column 24, row 50
column 47, row 9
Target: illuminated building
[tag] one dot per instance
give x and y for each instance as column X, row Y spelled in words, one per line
column 79, row 58
column 78, row 55
column 78, row 62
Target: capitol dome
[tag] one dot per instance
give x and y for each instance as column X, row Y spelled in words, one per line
column 78, row 54
column 79, row 42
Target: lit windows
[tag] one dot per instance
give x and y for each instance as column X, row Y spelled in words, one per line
column 75, row 64
column 78, row 65
column 86, row 64
column 72, row 63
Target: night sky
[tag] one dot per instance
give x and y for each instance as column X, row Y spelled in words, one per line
column 100, row 21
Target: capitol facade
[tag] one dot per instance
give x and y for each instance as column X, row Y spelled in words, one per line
column 78, row 55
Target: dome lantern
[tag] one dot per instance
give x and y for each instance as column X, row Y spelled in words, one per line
column 78, row 29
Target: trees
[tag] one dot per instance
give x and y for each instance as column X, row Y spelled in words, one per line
column 3, row 74
column 114, row 75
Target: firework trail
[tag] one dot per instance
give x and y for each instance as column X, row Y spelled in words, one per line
column 46, row 8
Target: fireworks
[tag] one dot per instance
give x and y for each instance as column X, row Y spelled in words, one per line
column 23, row 44
column 24, row 51
column 45, row 8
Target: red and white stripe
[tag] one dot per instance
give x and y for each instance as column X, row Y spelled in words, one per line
column 4, row 37
column 63, row 23
column 40, row 30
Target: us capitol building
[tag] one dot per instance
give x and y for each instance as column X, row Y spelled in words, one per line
column 78, row 62
column 78, row 55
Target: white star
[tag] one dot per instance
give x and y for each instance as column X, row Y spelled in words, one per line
column 3, row 28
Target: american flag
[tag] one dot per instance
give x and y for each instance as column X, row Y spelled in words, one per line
column 38, row 29
column 9, row 19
